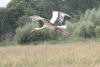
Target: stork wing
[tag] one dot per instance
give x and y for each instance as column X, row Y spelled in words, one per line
column 58, row 18
column 31, row 19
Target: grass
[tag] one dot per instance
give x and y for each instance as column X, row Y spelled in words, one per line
column 59, row 55
column 49, row 42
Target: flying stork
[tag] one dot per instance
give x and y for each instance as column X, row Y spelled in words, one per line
column 57, row 22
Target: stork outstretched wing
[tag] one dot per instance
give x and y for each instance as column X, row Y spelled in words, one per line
column 31, row 19
column 58, row 18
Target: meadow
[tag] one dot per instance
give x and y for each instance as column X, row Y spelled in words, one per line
column 59, row 55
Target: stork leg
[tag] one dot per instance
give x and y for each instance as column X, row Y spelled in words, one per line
column 60, row 32
column 63, row 31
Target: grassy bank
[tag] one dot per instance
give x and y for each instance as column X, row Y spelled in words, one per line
column 49, row 42
column 59, row 55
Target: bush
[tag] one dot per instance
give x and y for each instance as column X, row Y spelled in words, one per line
column 23, row 37
column 82, row 30
column 97, row 31
column 88, row 22
column 90, row 29
column 72, row 29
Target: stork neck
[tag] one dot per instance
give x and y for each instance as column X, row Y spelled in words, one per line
column 38, row 28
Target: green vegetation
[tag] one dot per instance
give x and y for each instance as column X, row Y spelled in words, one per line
column 49, row 42
column 97, row 31
column 84, row 24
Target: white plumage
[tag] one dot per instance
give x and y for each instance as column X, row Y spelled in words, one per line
column 54, row 17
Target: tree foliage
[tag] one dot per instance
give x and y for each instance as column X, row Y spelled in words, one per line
column 3, row 24
column 85, row 27
column 85, row 13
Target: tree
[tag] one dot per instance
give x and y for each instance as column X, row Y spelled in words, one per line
column 3, row 16
column 14, row 9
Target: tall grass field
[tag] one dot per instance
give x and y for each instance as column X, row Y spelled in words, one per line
column 59, row 55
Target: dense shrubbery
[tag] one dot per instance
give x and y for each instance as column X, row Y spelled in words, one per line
column 22, row 35
column 91, row 19
column 86, row 26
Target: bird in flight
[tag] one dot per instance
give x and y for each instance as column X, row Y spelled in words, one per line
column 57, row 22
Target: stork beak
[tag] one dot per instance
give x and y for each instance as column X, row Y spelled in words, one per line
column 31, row 31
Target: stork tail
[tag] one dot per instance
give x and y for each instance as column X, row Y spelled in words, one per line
column 63, row 26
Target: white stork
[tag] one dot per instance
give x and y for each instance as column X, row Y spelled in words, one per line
column 56, row 22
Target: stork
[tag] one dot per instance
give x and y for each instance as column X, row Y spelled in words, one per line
column 56, row 22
